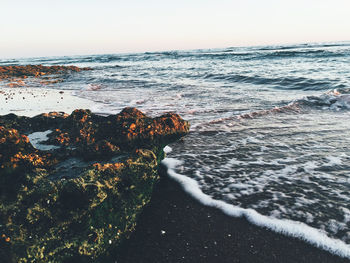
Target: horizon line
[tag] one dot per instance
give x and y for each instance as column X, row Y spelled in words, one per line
column 175, row 50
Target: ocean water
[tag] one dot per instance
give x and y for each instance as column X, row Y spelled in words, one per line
column 270, row 127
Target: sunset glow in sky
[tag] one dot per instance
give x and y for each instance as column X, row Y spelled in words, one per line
column 73, row 27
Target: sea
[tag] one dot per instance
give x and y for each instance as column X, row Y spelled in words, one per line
column 270, row 127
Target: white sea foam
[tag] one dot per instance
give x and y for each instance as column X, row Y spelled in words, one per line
column 37, row 138
column 167, row 149
column 334, row 160
column 287, row 227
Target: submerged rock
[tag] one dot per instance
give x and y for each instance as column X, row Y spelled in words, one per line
column 78, row 202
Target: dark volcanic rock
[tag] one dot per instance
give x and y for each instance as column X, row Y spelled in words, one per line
column 63, row 205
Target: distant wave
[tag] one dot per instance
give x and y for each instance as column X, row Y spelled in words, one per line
column 304, row 46
column 318, row 51
column 300, row 83
column 8, row 62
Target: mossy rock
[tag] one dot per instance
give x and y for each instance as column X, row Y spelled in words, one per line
column 77, row 203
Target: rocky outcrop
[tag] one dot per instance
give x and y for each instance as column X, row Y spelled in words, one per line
column 79, row 201
column 15, row 75
column 35, row 70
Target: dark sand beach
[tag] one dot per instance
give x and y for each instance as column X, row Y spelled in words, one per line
column 174, row 227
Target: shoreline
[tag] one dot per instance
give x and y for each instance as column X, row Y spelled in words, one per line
column 34, row 101
column 175, row 227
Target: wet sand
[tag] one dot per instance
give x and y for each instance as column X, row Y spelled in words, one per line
column 33, row 101
column 177, row 228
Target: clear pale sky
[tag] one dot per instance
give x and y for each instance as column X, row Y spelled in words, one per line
column 72, row 27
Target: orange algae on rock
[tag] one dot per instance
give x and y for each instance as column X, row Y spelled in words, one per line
column 80, row 201
column 35, row 70
column 15, row 75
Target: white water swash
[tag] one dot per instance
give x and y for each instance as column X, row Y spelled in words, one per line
column 270, row 135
